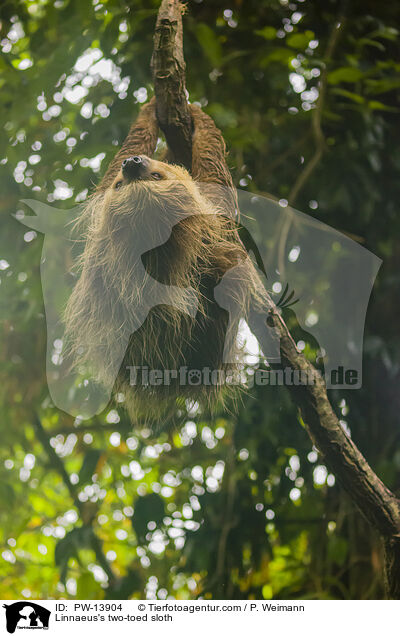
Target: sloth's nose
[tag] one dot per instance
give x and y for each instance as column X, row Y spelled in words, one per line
column 134, row 167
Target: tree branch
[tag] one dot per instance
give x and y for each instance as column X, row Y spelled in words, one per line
column 168, row 68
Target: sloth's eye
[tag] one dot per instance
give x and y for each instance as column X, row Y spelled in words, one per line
column 156, row 175
column 118, row 185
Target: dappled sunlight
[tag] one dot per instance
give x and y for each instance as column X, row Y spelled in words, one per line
column 239, row 502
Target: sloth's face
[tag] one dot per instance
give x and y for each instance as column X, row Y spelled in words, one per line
column 151, row 192
column 141, row 170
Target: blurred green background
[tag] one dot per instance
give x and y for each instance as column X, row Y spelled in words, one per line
column 240, row 506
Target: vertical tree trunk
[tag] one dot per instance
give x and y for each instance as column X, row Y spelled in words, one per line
column 391, row 546
column 168, row 68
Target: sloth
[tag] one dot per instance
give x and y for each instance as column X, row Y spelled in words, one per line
column 164, row 278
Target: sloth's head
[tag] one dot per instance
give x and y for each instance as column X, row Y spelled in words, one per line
column 151, row 204
column 152, row 192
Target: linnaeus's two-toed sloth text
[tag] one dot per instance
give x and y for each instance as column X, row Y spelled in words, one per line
column 164, row 278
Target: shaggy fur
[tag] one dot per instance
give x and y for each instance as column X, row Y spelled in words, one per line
column 121, row 217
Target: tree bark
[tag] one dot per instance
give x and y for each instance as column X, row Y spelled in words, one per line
column 168, row 68
column 392, row 566
column 378, row 504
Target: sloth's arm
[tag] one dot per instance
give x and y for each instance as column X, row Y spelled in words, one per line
column 141, row 140
column 209, row 165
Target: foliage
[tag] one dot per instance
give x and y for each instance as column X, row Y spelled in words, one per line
column 240, row 506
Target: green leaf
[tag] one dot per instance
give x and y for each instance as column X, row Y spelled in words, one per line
column 355, row 97
column 377, row 86
column 375, row 105
column 298, row 41
column 279, row 54
column 268, row 33
column 87, row 586
column 368, row 42
column 209, row 43
column 344, row 74
column 7, row 495
column 388, row 33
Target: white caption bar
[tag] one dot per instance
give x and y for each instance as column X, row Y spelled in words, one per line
column 171, row 617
